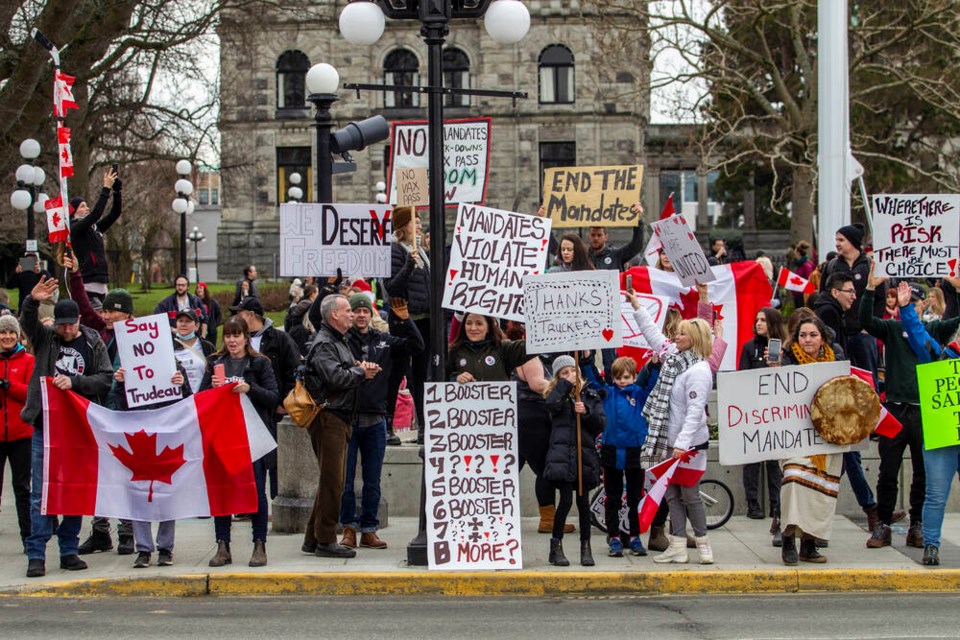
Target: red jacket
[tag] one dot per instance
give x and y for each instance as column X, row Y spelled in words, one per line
column 17, row 369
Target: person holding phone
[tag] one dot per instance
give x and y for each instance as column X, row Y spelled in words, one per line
column 24, row 279
column 761, row 352
column 87, row 227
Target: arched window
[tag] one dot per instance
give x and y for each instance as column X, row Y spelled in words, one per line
column 292, row 67
column 456, row 75
column 401, row 67
column 556, row 75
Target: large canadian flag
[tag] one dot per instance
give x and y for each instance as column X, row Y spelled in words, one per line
column 188, row 459
column 740, row 290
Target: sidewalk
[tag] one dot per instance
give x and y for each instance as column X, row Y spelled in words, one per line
column 745, row 563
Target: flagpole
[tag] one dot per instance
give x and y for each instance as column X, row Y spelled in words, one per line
column 576, row 395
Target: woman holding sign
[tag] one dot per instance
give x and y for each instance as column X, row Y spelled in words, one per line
column 238, row 362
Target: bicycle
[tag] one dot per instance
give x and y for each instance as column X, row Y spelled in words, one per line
column 716, row 496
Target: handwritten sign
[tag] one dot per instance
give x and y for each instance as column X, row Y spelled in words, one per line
column 940, row 403
column 684, row 251
column 466, row 156
column 146, row 355
column 492, row 251
column 472, row 477
column 592, row 196
column 765, row 413
column 656, row 306
column 317, row 239
column 916, row 236
column 412, row 187
column 571, row 311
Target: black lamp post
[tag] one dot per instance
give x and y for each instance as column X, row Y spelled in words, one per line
column 361, row 22
column 196, row 237
column 183, row 206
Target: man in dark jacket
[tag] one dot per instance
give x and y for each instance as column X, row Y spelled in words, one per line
column 605, row 256
column 76, row 358
column 181, row 298
column 25, row 281
column 838, row 297
column 334, row 374
column 86, row 233
column 369, row 425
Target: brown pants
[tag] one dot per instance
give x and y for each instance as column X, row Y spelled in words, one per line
column 329, row 437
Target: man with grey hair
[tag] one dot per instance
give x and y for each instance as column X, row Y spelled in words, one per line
column 332, row 375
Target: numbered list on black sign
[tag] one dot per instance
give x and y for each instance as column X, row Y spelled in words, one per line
column 473, row 486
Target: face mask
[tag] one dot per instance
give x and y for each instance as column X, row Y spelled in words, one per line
column 189, row 336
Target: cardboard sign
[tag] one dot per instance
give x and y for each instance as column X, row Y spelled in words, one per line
column 592, row 196
column 317, row 239
column 412, row 187
column 765, row 413
column 686, row 254
column 940, row 403
column 916, row 236
column 146, row 355
column 572, row 311
column 656, row 306
column 466, row 156
column 492, row 251
column 472, row 476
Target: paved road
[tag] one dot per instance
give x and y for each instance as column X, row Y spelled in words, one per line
column 786, row 617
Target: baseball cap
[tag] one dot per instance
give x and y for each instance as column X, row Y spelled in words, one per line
column 66, row 312
column 190, row 313
column 249, row 304
column 917, row 292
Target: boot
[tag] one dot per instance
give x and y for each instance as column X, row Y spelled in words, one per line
column 98, row 541
column 222, row 556
column 556, row 554
column 754, row 510
column 872, row 518
column 125, row 545
column 775, row 531
column 393, row 440
column 349, row 538
column 915, row 535
column 259, row 557
column 788, row 553
column 658, row 539
column 775, row 525
column 808, row 551
column 546, row 521
column 676, row 552
column 704, row 550
column 586, row 554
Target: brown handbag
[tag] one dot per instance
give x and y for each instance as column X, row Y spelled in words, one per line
column 301, row 407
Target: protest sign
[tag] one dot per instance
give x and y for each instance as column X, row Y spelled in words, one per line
column 412, row 187
column 916, row 236
column 572, row 311
column 940, row 403
column 592, row 196
column 317, row 239
column 684, row 251
column 491, row 252
column 656, row 306
column 472, row 476
column 146, row 355
column 466, row 156
column 765, row 413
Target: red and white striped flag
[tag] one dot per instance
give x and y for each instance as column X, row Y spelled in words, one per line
column 188, row 459
column 56, row 220
column 63, row 94
column 792, row 282
column 685, row 472
column 652, row 252
column 66, row 155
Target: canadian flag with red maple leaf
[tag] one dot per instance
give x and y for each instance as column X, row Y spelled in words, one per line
column 57, row 230
column 189, row 459
column 63, row 99
column 66, row 155
column 792, row 282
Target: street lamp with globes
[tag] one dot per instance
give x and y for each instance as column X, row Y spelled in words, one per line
column 295, row 193
column 183, row 205
column 196, row 237
column 29, row 182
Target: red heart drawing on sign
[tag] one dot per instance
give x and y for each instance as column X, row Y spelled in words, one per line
column 453, row 272
column 607, row 334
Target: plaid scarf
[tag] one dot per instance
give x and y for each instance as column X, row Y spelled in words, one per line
column 657, row 408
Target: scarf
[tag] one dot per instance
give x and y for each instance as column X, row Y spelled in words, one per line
column 657, row 408
column 826, row 354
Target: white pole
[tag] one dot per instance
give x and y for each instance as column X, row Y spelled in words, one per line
column 833, row 108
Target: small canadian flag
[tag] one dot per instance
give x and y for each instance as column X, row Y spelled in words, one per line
column 792, row 282
column 66, row 155
column 63, row 94
column 56, row 220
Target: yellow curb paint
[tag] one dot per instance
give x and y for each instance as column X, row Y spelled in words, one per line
column 175, row 586
column 879, row 580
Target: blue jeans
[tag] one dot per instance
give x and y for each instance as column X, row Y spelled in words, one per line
column 41, row 526
column 941, row 466
column 221, row 524
column 859, row 484
column 862, row 352
column 371, row 442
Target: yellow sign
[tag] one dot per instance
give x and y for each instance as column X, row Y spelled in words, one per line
column 412, row 187
column 592, row 196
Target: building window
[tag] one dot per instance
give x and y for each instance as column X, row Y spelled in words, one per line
column 401, row 67
column 203, row 196
column 456, row 75
column 214, row 196
column 292, row 160
column 556, row 75
column 292, row 67
column 556, row 154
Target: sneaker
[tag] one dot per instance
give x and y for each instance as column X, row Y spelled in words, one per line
column 393, row 440
column 931, row 556
column 880, row 537
column 164, row 558
column 636, row 547
column 142, row 561
column 72, row 563
column 915, row 536
column 616, row 548
column 36, row 568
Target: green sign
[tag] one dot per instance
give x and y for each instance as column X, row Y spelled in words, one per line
column 940, row 403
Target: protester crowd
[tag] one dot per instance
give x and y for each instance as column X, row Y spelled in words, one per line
column 356, row 343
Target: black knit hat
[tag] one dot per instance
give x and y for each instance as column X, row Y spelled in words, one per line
column 853, row 233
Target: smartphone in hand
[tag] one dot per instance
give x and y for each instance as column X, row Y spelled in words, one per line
column 220, row 372
column 629, row 282
column 773, row 351
column 116, row 169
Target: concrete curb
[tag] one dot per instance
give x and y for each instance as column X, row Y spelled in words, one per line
column 519, row 583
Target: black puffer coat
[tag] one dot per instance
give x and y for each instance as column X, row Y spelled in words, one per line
column 561, row 465
column 408, row 281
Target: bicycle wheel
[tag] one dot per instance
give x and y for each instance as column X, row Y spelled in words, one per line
column 597, row 514
column 717, row 502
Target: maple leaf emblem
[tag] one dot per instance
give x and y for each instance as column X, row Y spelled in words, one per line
column 66, row 155
column 145, row 463
column 796, row 280
column 56, row 219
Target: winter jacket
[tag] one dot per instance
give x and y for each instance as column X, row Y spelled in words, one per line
column 626, row 427
column 24, row 282
column 860, row 272
column 832, row 314
column 89, row 316
column 214, row 320
column 170, row 307
column 86, row 235
column 751, row 356
column 487, row 362
column 403, row 341
column 96, row 380
column 331, row 373
column 613, row 258
column 561, row 462
column 295, row 328
column 284, row 357
column 16, row 369
column 407, row 281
